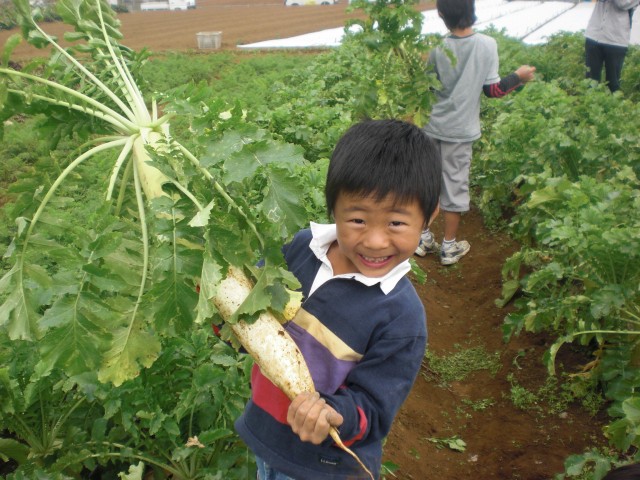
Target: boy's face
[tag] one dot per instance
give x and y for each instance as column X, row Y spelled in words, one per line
column 374, row 236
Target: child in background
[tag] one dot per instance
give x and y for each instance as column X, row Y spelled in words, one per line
column 607, row 39
column 455, row 118
column 362, row 326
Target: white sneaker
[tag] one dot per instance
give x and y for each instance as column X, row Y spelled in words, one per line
column 427, row 244
column 453, row 252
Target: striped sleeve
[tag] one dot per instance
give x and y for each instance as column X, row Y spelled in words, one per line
column 503, row 87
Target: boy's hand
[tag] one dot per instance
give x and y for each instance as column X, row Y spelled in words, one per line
column 526, row 73
column 311, row 417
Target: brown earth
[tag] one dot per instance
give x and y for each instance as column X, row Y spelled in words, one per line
column 502, row 441
column 240, row 21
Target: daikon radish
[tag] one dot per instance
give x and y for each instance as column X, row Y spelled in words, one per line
column 270, row 346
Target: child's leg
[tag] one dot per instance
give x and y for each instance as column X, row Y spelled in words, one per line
column 454, row 199
column 427, row 244
column 594, row 59
column 613, row 60
column 451, row 223
column 265, row 472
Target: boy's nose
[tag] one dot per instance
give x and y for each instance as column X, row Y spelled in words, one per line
column 376, row 240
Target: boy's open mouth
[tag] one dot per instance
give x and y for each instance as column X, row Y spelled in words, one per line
column 375, row 260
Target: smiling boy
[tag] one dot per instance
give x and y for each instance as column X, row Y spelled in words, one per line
column 362, row 326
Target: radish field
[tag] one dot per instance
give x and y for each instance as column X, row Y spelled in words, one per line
column 132, row 182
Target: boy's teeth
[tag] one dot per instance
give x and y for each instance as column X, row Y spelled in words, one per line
column 375, row 259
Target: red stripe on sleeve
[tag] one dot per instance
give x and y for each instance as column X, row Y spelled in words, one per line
column 497, row 92
column 269, row 397
column 363, row 428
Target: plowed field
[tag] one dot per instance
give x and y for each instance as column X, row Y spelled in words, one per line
column 240, row 21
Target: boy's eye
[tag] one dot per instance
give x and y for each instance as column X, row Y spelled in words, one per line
column 397, row 224
column 359, row 221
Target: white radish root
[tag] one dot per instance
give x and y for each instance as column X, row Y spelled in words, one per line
column 270, row 346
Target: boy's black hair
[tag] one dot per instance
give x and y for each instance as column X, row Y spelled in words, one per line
column 457, row 13
column 626, row 472
column 382, row 157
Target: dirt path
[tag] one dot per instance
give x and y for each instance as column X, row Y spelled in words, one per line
column 503, row 442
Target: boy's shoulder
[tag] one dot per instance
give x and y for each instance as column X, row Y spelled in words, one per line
column 486, row 39
column 474, row 38
column 299, row 242
column 404, row 301
column 302, row 235
column 477, row 45
column 488, row 44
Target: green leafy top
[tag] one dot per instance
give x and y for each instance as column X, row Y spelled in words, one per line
column 111, row 250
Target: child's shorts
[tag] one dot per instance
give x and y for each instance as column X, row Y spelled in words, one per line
column 456, row 163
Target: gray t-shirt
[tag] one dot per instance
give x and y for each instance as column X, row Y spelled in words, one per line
column 456, row 115
column 610, row 22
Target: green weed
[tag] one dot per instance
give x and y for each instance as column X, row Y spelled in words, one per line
column 388, row 469
column 453, row 443
column 520, row 396
column 554, row 397
column 461, row 363
column 479, row 405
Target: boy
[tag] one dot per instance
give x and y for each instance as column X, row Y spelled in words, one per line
column 362, row 326
column 455, row 118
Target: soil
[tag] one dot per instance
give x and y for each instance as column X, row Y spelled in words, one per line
column 240, row 21
column 502, row 441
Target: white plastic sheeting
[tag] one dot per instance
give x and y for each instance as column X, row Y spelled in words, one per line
column 517, row 18
column 531, row 21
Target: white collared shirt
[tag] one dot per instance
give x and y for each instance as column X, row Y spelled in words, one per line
column 323, row 236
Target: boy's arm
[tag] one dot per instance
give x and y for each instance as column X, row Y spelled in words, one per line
column 509, row 83
column 377, row 387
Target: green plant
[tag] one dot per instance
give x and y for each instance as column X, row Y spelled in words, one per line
column 76, row 425
column 479, row 405
column 40, row 415
column 127, row 232
column 583, row 272
column 461, row 363
column 7, row 17
column 561, row 58
column 177, row 188
column 574, row 134
column 453, row 443
column 593, row 464
column 120, row 8
column 316, row 104
column 554, row 397
column 630, row 81
column 402, row 87
column 520, row 396
column 388, row 469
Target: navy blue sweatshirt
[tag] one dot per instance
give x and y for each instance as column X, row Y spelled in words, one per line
column 364, row 350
